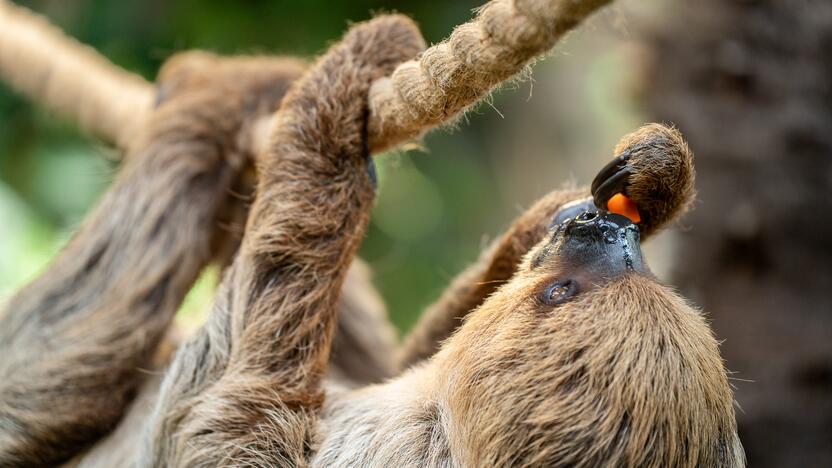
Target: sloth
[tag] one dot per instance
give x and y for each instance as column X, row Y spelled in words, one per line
column 558, row 347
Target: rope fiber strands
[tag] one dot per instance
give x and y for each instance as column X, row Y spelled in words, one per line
column 44, row 64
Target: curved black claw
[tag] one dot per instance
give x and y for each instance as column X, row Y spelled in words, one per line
column 612, row 179
column 618, row 163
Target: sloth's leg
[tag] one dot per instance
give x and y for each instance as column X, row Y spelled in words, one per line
column 247, row 388
column 653, row 166
column 75, row 341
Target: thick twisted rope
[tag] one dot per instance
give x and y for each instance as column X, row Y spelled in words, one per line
column 456, row 73
column 44, row 64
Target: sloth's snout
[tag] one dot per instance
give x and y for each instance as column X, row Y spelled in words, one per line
column 602, row 226
column 606, row 243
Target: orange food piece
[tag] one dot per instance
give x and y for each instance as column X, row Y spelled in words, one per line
column 620, row 204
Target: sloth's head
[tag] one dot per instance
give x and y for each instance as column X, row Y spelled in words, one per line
column 585, row 359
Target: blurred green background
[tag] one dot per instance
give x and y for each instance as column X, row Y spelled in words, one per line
column 436, row 208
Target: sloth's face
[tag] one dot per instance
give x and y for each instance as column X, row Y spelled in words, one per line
column 584, row 336
column 583, row 278
column 585, row 250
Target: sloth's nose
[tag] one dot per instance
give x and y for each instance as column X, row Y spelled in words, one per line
column 600, row 224
column 607, row 242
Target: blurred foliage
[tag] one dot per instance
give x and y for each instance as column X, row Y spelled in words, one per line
column 435, row 211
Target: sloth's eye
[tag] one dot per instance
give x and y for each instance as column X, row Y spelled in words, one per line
column 559, row 292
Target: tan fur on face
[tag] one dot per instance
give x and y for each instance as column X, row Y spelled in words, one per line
column 627, row 375
column 661, row 184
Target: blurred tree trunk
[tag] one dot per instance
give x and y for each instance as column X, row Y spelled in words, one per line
column 749, row 83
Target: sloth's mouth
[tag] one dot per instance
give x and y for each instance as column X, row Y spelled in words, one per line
column 600, row 243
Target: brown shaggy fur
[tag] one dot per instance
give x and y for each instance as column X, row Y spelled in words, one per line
column 247, row 388
column 74, row 341
column 365, row 341
column 624, row 374
column 180, row 201
column 662, row 180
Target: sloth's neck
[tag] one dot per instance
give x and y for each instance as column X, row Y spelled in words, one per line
column 399, row 423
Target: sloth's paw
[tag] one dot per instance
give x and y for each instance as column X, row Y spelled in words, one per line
column 654, row 170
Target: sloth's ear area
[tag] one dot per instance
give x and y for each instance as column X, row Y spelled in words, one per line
column 653, row 171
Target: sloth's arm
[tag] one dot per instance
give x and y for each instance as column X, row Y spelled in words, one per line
column 495, row 266
column 653, row 166
column 75, row 341
column 247, row 387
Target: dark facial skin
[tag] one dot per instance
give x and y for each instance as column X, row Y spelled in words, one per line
column 595, row 246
